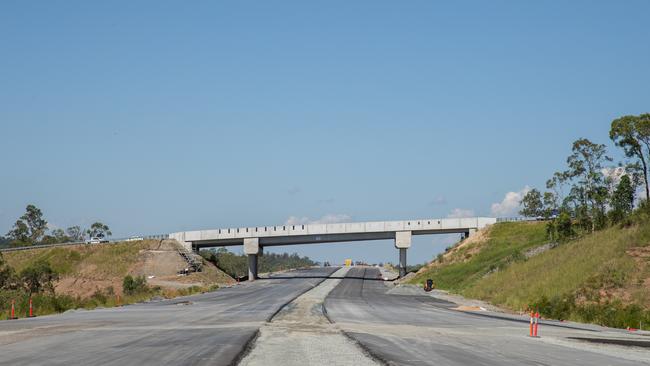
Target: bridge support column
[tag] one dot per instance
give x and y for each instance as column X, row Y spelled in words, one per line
column 252, row 267
column 402, row 262
column 402, row 242
column 252, row 249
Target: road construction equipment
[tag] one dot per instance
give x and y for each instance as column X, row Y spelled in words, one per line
column 429, row 286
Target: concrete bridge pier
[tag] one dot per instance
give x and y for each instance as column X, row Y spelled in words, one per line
column 252, row 267
column 402, row 242
column 252, row 249
column 402, row 262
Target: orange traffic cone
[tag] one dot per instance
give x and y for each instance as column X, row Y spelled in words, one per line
column 31, row 308
column 13, row 310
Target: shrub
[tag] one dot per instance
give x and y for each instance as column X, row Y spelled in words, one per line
column 39, row 276
column 132, row 286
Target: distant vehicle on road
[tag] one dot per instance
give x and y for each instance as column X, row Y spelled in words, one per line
column 96, row 240
column 135, row 238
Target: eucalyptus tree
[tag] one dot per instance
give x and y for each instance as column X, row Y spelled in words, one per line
column 532, row 204
column 632, row 134
column 585, row 173
column 99, row 229
column 29, row 228
column 622, row 201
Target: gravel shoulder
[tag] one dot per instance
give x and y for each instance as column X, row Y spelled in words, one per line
column 301, row 334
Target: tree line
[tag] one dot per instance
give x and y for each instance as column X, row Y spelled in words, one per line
column 236, row 265
column 32, row 229
column 592, row 193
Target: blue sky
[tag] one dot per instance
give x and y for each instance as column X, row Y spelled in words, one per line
column 164, row 116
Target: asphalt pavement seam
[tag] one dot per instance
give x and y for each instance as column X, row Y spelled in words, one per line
column 250, row 343
column 248, row 347
column 302, row 334
column 375, row 357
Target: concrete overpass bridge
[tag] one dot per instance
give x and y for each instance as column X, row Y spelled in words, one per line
column 255, row 238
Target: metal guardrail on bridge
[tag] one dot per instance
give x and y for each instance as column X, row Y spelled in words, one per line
column 110, row 241
column 518, row 219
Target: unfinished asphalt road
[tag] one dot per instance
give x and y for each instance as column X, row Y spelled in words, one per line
column 208, row 329
column 301, row 335
column 421, row 330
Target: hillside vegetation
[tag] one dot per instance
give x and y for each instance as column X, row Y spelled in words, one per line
column 496, row 248
column 87, row 276
column 103, row 265
column 602, row 277
column 236, row 265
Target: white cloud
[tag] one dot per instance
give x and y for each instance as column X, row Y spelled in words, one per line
column 615, row 174
column 327, row 219
column 438, row 201
column 294, row 220
column 459, row 213
column 510, row 204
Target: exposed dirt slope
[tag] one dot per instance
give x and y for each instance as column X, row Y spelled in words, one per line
column 462, row 251
column 84, row 269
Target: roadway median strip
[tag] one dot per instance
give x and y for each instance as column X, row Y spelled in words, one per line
column 300, row 334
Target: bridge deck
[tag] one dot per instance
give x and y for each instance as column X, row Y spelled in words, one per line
column 318, row 233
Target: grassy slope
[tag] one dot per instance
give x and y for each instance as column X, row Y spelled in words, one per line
column 111, row 260
column 597, row 261
column 506, row 243
column 100, row 261
column 107, row 262
column 600, row 264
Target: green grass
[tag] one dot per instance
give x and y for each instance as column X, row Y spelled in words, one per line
column 104, row 261
column 590, row 279
column 108, row 259
column 506, row 244
column 592, row 262
column 45, row 304
column 62, row 260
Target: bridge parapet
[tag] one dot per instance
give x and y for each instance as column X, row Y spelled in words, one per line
column 417, row 227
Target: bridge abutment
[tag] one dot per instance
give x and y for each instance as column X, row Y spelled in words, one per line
column 402, row 242
column 468, row 233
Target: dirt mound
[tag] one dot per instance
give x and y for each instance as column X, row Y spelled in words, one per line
column 86, row 269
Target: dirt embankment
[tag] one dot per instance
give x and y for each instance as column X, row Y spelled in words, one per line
column 461, row 252
column 86, row 269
